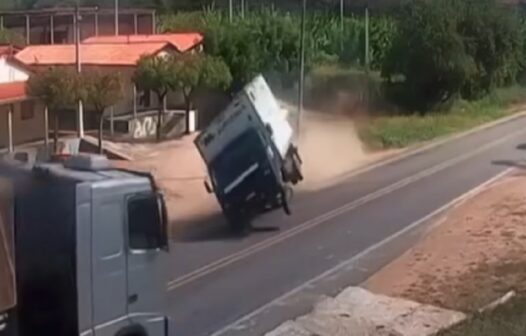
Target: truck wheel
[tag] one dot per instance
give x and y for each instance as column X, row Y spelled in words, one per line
column 296, row 164
column 239, row 222
column 286, row 197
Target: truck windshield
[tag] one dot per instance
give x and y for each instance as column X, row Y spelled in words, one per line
column 7, row 274
column 243, row 152
column 146, row 228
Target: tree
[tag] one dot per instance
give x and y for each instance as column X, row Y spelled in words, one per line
column 10, row 37
column 58, row 89
column 193, row 71
column 101, row 90
column 155, row 73
column 427, row 63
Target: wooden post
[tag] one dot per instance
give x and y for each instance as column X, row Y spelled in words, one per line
column 10, row 144
column 154, row 24
column 96, row 24
column 116, row 17
column 112, row 128
column 134, row 102
column 28, row 30
column 135, row 24
column 46, row 127
column 52, row 28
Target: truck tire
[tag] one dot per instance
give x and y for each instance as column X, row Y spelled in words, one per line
column 286, row 197
column 296, row 166
column 238, row 222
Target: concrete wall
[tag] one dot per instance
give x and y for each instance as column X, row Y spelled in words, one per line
column 27, row 126
column 10, row 72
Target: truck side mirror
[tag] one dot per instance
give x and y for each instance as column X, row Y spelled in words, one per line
column 208, row 187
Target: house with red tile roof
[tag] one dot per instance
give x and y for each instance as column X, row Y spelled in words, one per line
column 182, row 42
column 117, row 54
column 22, row 118
column 100, row 55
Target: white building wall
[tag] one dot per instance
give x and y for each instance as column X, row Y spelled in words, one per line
column 11, row 73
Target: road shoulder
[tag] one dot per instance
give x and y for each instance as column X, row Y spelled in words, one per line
column 474, row 256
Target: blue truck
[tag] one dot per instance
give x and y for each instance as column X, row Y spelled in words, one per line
column 251, row 159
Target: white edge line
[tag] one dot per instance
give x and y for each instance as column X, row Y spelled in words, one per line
column 372, row 248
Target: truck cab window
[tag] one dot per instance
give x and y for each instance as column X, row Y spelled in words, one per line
column 146, row 229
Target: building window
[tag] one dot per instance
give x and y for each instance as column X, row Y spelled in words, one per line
column 27, row 110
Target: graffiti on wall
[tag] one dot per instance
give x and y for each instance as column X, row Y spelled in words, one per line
column 143, row 127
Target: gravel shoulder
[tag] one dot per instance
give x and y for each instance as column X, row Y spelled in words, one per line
column 475, row 255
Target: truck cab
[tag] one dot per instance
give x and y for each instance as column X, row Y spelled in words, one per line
column 250, row 156
column 85, row 249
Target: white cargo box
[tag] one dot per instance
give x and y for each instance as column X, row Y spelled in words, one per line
column 255, row 106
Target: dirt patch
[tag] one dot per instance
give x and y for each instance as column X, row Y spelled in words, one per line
column 330, row 147
column 474, row 256
column 180, row 172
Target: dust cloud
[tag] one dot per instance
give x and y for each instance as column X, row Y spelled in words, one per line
column 329, row 146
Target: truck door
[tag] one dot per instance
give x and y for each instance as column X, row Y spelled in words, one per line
column 146, row 262
column 108, row 261
column 7, row 271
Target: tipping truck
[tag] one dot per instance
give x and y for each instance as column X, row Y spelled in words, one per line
column 83, row 250
column 250, row 156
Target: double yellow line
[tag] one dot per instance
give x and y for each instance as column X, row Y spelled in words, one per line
column 309, row 224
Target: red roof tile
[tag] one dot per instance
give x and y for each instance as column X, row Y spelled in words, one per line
column 91, row 54
column 8, row 50
column 182, row 42
column 11, row 92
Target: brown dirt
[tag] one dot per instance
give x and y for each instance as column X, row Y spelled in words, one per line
column 180, row 172
column 330, row 147
column 476, row 255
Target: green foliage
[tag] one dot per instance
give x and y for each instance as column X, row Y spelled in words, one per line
column 192, row 71
column 493, row 38
column 10, row 37
column 57, row 87
column 268, row 41
column 155, row 74
column 101, row 90
column 508, row 319
column 428, row 54
column 450, row 48
column 403, row 130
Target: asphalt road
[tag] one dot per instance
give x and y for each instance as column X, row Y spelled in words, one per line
column 224, row 285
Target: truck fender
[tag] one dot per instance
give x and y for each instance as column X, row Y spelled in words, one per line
column 133, row 330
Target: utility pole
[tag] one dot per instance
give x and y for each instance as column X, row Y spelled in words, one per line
column 230, row 11
column 80, row 110
column 242, row 9
column 117, row 17
column 341, row 23
column 366, row 56
column 302, row 66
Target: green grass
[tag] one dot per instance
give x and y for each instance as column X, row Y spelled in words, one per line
column 507, row 320
column 401, row 131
